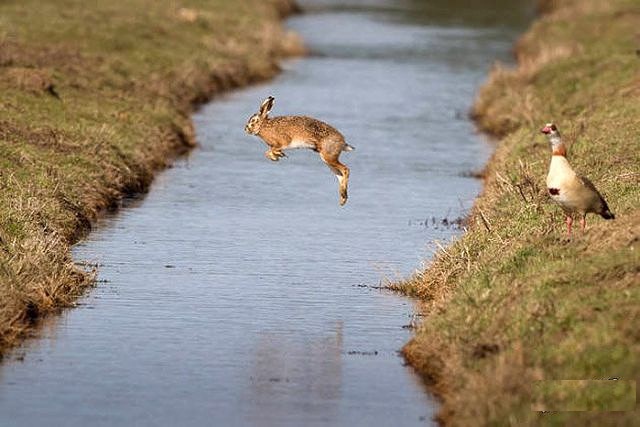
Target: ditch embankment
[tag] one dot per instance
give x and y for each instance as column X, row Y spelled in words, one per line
column 513, row 302
column 95, row 99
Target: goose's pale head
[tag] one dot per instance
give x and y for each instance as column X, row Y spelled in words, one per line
column 550, row 129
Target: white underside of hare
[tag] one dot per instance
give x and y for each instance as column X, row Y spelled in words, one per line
column 299, row 143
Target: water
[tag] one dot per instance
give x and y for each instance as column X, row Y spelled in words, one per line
column 238, row 292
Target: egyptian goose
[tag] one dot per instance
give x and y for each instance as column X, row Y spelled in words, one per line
column 575, row 194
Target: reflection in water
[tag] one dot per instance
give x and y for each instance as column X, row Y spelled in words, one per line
column 284, row 370
column 493, row 14
column 233, row 292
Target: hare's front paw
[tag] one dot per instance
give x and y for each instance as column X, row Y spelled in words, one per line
column 272, row 155
column 275, row 155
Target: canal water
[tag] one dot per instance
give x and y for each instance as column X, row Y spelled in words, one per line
column 237, row 291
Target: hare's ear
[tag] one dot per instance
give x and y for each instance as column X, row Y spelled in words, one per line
column 266, row 106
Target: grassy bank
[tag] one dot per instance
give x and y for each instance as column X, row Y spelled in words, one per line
column 512, row 302
column 95, row 97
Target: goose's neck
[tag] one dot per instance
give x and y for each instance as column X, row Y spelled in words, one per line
column 557, row 146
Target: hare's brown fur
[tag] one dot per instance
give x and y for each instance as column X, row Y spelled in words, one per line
column 288, row 132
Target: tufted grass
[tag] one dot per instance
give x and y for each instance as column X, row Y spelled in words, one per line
column 95, row 98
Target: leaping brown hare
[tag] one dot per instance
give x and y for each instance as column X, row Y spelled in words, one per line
column 288, row 132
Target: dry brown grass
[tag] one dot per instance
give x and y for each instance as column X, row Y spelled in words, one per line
column 512, row 301
column 96, row 98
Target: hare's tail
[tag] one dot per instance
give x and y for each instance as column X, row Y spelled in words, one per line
column 348, row 147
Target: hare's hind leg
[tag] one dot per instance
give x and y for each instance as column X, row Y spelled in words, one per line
column 342, row 173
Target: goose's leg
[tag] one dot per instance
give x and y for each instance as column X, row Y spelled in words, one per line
column 569, row 223
column 583, row 222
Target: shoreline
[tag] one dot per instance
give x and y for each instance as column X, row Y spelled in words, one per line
column 38, row 276
column 545, row 309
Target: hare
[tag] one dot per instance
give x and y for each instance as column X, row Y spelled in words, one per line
column 287, row 132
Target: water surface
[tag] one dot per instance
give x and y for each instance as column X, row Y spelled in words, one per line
column 238, row 292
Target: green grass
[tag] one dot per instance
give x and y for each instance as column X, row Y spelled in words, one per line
column 96, row 96
column 584, row 395
column 513, row 302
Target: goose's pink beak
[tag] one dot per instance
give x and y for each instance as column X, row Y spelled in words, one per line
column 545, row 130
